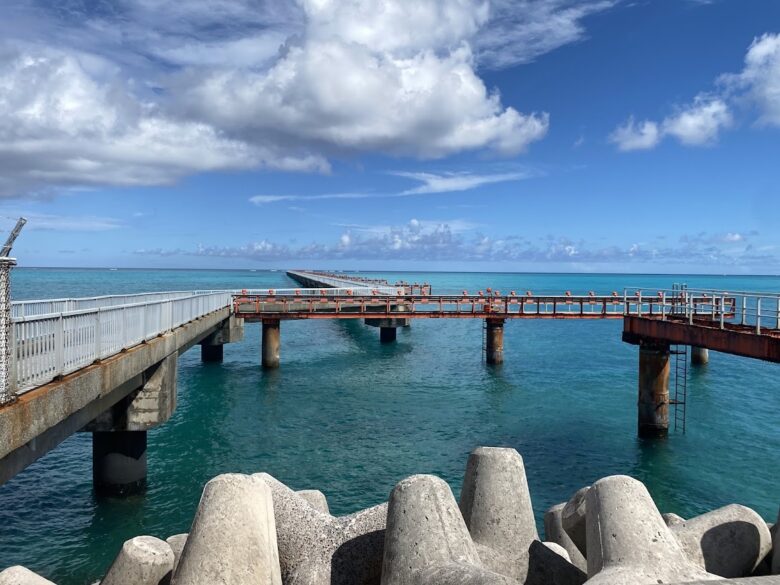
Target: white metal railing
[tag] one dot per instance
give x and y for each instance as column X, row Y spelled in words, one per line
column 755, row 309
column 58, row 343
column 48, row 306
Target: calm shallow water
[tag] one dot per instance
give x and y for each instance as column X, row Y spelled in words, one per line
column 351, row 417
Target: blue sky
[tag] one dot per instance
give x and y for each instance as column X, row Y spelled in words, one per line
column 543, row 135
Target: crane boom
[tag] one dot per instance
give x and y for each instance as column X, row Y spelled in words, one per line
column 6, row 250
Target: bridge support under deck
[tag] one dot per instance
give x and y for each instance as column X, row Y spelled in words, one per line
column 653, row 401
column 494, row 341
column 231, row 331
column 119, row 462
column 387, row 334
column 699, row 355
column 271, row 343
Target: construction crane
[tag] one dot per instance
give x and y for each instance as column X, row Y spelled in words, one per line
column 12, row 237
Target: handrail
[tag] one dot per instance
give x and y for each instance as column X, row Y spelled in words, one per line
column 56, row 344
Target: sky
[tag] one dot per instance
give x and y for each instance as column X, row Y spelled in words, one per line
column 507, row 135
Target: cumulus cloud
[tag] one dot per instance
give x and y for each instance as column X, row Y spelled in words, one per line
column 636, row 136
column 461, row 241
column 760, row 79
column 139, row 92
column 701, row 122
column 697, row 124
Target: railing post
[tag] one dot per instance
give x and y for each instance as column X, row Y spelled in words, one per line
column 722, row 311
column 758, row 315
column 663, row 306
column 777, row 325
column 691, row 304
column 59, row 347
column 98, row 336
column 7, row 353
column 743, row 320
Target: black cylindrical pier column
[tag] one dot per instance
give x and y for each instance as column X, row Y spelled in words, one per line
column 271, row 343
column 387, row 334
column 211, row 353
column 494, row 341
column 653, row 403
column 118, row 462
column 699, row 355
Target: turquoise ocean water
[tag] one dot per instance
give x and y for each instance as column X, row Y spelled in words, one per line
column 351, row 417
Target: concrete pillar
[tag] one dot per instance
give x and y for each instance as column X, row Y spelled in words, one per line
column 494, row 341
column 211, row 353
column 699, row 355
column 653, row 403
column 119, row 462
column 387, row 334
column 271, row 343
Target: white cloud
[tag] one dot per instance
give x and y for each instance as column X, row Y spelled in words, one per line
column 519, row 32
column 141, row 92
column 697, row 124
column 633, row 136
column 700, row 123
column 66, row 223
column 431, row 183
column 760, row 78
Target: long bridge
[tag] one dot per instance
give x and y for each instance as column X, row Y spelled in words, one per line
column 107, row 365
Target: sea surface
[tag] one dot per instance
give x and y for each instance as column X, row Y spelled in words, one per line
column 351, row 417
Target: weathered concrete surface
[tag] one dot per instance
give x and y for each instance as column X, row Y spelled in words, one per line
column 773, row 580
column 573, row 519
column 496, row 505
column 554, row 532
column 233, row 535
column 18, row 575
column 44, row 417
column 176, row 542
column 425, row 531
column 119, row 462
column 672, row 519
column 699, row 355
column 460, row 574
column 494, row 341
column 628, row 542
column 231, row 330
column 146, row 408
column 143, row 560
column 729, row 542
column 548, row 564
column 775, row 530
column 316, row 548
column 316, row 499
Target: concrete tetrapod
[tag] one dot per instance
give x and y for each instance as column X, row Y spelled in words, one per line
column 316, row 499
column 18, row 575
column 776, row 546
column 176, row 542
column 143, row 560
column 730, row 541
column 628, row 541
column 496, row 506
column 233, row 536
column 317, row 548
column 554, row 532
column 427, row 540
column 672, row 519
column 573, row 517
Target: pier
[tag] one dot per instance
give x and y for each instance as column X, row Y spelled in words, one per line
column 107, row 365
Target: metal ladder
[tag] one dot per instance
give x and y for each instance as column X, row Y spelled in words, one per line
column 680, row 397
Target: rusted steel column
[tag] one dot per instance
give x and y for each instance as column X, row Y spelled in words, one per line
column 387, row 334
column 699, row 355
column 494, row 341
column 271, row 343
column 118, row 462
column 653, row 403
